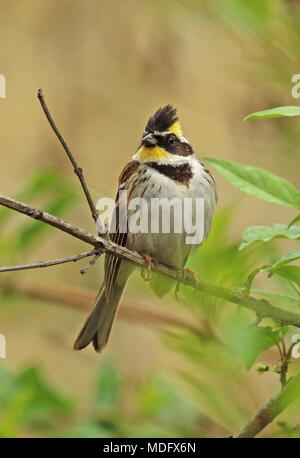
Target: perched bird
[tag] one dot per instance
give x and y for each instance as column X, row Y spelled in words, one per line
column 164, row 166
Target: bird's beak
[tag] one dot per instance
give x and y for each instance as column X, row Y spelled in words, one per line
column 149, row 140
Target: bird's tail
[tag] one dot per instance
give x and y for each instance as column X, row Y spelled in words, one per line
column 98, row 325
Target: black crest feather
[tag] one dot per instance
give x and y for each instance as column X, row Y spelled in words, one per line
column 162, row 119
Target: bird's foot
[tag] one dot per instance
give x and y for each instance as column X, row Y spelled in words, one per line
column 177, row 290
column 146, row 273
column 185, row 273
column 194, row 274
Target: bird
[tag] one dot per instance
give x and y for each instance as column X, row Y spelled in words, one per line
column 164, row 165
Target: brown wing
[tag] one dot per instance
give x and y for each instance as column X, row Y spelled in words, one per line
column 113, row 263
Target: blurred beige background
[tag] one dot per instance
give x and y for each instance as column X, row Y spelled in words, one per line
column 105, row 67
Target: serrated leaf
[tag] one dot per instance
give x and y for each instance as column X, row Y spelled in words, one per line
column 267, row 233
column 278, row 112
column 258, row 182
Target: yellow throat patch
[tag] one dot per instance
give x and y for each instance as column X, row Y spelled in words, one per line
column 148, row 153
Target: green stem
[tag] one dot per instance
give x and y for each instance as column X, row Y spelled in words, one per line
column 288, row 394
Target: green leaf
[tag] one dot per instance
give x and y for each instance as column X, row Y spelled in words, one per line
column 286, row 259
column 250, row 278
column 291, row 273
column 258, row 182
column 277, row 112
column 267, row 233
column 271, row 269
column 249, row 342
column 295, row 220
column 289, row 394
column 277, row 298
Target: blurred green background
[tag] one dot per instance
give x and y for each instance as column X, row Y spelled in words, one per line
column 170, row 368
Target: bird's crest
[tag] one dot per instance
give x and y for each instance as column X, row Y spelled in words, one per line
column 165, row 119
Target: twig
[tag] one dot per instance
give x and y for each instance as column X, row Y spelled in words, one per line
column 260, row 306
column 55, row 262
column 284, row 363
column 84, row 270
column 274, row 407
column 78, row 170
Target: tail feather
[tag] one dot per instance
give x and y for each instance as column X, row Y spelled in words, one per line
column 98, row 325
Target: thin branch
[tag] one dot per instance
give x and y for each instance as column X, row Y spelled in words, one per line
column 84, row 270
column 78, row 170
column 273, row 408
column 55, row 262
column 260, row 306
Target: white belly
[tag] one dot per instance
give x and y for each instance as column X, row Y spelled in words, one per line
column 170, row 248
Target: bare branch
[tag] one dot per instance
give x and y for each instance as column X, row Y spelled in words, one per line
column 272, row 409
column 260, row 306
column 78, row 170
column 55, row 262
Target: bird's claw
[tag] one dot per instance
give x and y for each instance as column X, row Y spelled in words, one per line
column 193, row 274
column 146, row 274
column 183, row 275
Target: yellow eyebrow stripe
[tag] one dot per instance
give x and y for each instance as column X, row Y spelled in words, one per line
column 176, row 129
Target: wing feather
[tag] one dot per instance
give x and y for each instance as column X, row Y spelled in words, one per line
column 113, row 263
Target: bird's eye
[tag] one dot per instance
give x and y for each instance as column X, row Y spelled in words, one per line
column 171, row 140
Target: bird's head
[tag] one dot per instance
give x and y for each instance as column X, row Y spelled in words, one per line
column 163, row 139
